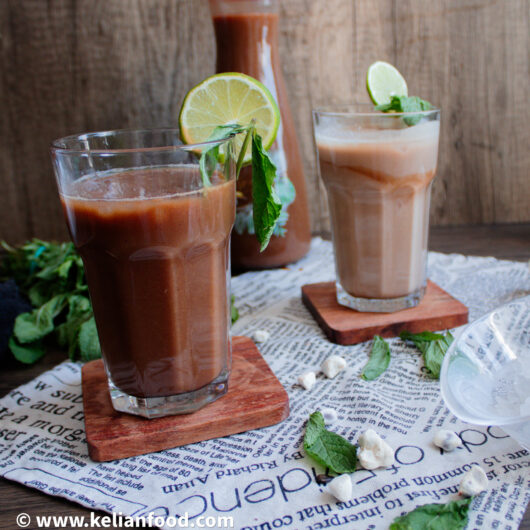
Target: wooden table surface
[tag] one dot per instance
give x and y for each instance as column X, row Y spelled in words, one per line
column 505, row 241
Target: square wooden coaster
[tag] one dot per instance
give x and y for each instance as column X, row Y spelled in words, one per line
column 342, row 325
column 255, row 399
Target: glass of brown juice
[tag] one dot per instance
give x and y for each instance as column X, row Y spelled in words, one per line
column 377, row 169
column 154, row 236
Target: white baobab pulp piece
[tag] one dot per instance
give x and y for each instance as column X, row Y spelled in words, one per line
column 374, row 452
column 473, row 482
column 332, row 366
column 307, row 380
column 341, row 488
column 330, row 415
column 261, row 335
column 447, row 440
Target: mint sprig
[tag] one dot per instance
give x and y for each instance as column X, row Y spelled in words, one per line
column 453, row 514
column 267, row 205
column 433, row 346
column 379, row 359
column 52, row 276
column 328, row 448
column 406, row 104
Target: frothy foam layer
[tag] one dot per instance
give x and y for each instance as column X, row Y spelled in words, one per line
column 384, row 154
column 139, row 184
column 334, row 133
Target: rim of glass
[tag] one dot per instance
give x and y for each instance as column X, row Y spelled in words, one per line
column 56, row 147
column 367, row 109
column 232, row 5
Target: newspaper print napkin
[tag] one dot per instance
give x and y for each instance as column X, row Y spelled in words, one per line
column 262, row 478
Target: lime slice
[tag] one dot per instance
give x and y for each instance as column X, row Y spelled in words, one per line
column 383, row 81
column 229, row 98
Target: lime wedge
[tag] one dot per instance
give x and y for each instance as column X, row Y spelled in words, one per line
column 383, row 81
column 229, row 98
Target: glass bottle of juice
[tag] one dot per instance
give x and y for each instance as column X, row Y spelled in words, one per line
column 247, row 41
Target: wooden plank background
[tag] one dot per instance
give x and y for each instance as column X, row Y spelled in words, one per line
column 69, row 66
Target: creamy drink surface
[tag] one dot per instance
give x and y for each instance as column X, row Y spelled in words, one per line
column 156, row 258
column 378, row 185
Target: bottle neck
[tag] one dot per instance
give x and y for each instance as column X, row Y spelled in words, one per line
column 247, row 41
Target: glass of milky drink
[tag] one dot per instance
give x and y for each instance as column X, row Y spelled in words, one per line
column 377, row 169
column 155, row 243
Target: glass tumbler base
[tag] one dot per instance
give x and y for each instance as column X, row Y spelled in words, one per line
column 157, row 407
column 379, row 305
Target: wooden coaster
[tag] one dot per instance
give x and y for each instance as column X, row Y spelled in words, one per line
column 255, row 399
column 342, row 325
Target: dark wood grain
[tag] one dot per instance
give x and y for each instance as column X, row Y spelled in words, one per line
column 438, row 310
column 510, row 241
column 507, row 242
column 69, row 66
column 84, row 65
column 255, row 399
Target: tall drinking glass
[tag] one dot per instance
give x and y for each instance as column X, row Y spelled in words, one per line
column 155, row 243
column 377, row 169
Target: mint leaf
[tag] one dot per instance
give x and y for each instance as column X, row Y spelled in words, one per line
column 434, row 355
column 450, row 516
column 315, row 425
column 266, row 203
column 79, row 312
column 328, row 448
column 43, row 269
column 234, row 313
column 286, row 192
column 210, row 157
column 420, row 338
column 41, row 292
column 379, row 359
column 26, row 353
column 52, row 276
column 35, row 325
column 406, row 104
column 433, row 346
column 88, row 341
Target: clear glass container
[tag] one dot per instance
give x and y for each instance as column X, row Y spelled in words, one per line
column 377, row 169
column 155, row 244
column 246, row 33
column 485, row 376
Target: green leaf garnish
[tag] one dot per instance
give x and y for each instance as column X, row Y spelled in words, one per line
column 450, row 516
column 433, row 346
column 265, row 201
column 406, row 104
column 266, row 204
column 328, row 448
column 379, row 359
